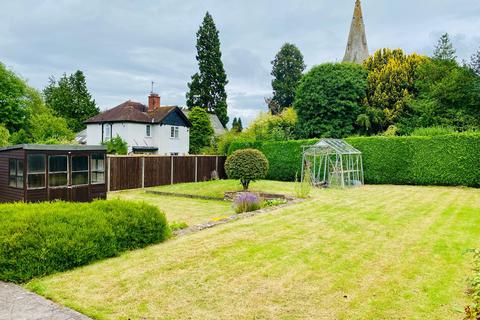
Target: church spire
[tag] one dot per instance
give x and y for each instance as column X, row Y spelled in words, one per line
column 357, row 48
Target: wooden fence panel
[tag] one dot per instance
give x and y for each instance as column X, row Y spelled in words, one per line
column 125, row 173
column 132, row 172
column 183, row 169
column 157, row 171
column 205, row 166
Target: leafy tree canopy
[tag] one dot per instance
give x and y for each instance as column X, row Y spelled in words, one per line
column 116, row 145
column 47, row 128
column 69, row 98
column 17, row 100
column 207, row 88
column 390, row 86
column 4, row 136
column 201, row 132
column 329, row 98
column 273, row 127
column 287, row 70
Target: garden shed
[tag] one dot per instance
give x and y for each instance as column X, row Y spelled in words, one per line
column 332, row 162
column 33, row 173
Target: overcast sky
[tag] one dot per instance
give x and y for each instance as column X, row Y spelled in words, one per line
column 122, row 46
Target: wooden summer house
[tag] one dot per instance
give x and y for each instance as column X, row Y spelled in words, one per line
column 33, row 173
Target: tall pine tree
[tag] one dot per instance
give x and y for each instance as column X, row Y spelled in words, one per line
column 444, row 49
column 207, row 88
column 287, row 71
column 69, row 98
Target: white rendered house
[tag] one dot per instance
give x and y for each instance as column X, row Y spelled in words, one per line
column 153, row 129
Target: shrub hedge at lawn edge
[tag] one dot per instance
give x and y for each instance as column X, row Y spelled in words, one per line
column 44, row 238
column 448, row 160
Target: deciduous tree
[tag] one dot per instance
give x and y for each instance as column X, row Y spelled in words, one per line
column 201, row 132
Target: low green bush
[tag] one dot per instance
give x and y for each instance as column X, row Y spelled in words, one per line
column 435, row 160
column 174, row 226
column 44, row 238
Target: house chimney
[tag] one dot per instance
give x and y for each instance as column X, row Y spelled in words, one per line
column 153, row 101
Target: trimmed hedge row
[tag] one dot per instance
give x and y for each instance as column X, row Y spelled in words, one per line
column 440, row 160
column 41, row 239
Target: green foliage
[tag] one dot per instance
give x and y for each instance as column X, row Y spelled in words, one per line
column 46, row 128
column 207, row 88
column 287, row 71
column 433, row 131
column 4, row 136
column 304, row 186
column 328, row 99
column 444, row 49
column 475, row 63
column 439, row 160
column 268, row 127
column 247, row 165
column 69, row 98
column 20, row 137
column 472, row 311
column 116, row 145
column 201, row 132
column 45, row 238
column 273, row 202
column 390, row 86
column 17, row 100
column 174, row 226
column 237, row 125
column 448, row 95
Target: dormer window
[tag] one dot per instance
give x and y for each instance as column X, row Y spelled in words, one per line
column 148, row 130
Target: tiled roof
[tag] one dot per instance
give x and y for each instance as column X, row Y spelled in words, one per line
column 131, row 111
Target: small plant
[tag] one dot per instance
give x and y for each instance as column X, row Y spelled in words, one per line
column 472, row 311
column 246, row 202
column 274, row 202
column 174, row 226
column 116, row 145
column 246, row 165
column 303, row 187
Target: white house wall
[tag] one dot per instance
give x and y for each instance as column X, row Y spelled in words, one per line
column 135, row 135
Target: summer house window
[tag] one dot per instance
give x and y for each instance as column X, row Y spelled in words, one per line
column 15, row 173
column 79, row 170
column 148, row 131
column 174, row 132
column 36, row 171
column 98, row 168
column 57, row 171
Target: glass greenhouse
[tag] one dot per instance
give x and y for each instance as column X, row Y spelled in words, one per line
column 332, row 162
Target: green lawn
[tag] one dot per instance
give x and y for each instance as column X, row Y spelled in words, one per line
column 376, row 252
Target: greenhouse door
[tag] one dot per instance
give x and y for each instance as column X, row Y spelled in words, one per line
column 68, row 177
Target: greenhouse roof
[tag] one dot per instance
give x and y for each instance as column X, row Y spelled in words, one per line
column 332, row 146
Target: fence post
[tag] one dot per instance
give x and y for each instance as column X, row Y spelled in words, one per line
column 171, row 169
column 143, row 172
column 216, row 164
column 109, row 178
column 196, row 168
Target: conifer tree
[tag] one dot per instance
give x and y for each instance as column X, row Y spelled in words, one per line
column 444, row 49
column 475, row 62
column 207, row 88
column 287, row 71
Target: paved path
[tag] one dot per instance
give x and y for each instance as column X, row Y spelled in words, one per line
column 17, row 303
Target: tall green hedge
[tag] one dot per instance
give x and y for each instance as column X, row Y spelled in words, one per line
column 439, row 160
column 41, row 239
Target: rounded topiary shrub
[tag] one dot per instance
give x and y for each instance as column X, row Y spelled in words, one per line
column 246, row 165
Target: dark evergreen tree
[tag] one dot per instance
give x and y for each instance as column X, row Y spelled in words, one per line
column 234, row 124
column 69, row 98
column 444, row 49
column 237, row 125
column 287, row 70
column 207, row 88
column 475, row 62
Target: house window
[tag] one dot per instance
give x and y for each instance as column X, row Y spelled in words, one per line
column 36, row 171
column 148, row 130
column 79, row 170
column 57, row 171
column 15, row 173
column 174, row 132
column 98, row 168
column 108, row 131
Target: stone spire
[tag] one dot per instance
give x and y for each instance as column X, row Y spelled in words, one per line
column 357, row 48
